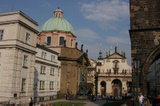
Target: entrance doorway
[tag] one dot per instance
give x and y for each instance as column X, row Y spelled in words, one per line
column 103, row 88
column 116, row 88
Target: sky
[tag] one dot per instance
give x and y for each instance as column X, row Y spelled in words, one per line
column 98, row 24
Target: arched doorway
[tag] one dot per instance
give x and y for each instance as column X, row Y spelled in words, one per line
column 116, row 88
column 103, row 88
column 115, row 92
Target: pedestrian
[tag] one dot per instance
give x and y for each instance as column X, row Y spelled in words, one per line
column 38, row 104
column 31, row 102
column 141, row 99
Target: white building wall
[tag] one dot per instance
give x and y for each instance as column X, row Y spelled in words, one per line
column 47, row 93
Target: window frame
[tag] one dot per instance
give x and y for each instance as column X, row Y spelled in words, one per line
column 61, row 41
column 44, row 55
column 28, row 35
column 23, row 84
column 53, row 57
column 43, row 69
column 51, row 85
column 52, row 71
column 25, row 61
column 49, row 40
column 1, row 34
column 41, row 85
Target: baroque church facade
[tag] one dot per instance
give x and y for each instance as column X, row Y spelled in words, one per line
column 114, row 75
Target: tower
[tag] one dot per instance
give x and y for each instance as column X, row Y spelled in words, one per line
column 144, row 35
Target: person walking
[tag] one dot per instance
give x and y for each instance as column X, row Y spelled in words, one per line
column 141, row 99
column 31, row 102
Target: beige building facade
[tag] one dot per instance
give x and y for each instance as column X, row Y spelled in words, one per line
column 18, row 34
column 114, row 75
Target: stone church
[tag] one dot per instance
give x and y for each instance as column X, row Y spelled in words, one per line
column 114, row 75
column 58, row 34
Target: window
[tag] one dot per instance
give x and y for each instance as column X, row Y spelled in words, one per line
column 23, row 85
column 52, row 71
column 57, row 84
column 58, row 73
column 51, row 97
column 25, row 61
column 44, row 55
column 61, row 41
column 71, row 42
column 51, row 85
column 1, row 34
column 41, row 99
column 27, row 38
column 52, row 57
column 42, row 84
column 43, row 70
column 48, row 40
column 0, row 58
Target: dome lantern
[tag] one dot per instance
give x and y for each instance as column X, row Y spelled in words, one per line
column 58, row 13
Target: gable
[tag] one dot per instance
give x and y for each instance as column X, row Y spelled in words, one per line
column 115, row 56
column 84, row 59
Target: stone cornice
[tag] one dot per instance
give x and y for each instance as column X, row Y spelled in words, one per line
column 21, row 23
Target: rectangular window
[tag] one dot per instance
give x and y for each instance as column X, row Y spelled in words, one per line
column 51, row 85
column 57, row 84
column 25, row 61
column 27, row 38
column 23, row 85
column 71, row 42
column 0, row 58
column 52, row 71
column 52, row 57
column 61, row 41
column 42, row 85
column 1, row 34
column 43, row 69
column 48, row 40
column 41, row 99
column 51, row 97
column 58, row 73
column 44, row 55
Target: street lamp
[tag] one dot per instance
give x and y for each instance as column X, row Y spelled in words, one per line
column 136, row 66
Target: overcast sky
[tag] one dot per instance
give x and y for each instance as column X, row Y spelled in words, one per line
column 98, row 24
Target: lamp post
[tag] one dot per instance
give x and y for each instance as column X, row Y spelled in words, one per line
column 136, row 66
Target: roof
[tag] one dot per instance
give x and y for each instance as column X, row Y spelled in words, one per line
column 57, row 23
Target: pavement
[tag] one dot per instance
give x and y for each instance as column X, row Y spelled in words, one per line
column 87, row 102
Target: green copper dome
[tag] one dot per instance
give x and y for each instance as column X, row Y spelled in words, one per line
column 57, row 23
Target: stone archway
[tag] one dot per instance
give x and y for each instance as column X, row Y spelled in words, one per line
column 116, row 88
column 151, row 59
column 103, row 88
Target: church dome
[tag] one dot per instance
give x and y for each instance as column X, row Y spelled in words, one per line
column 57, row 23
